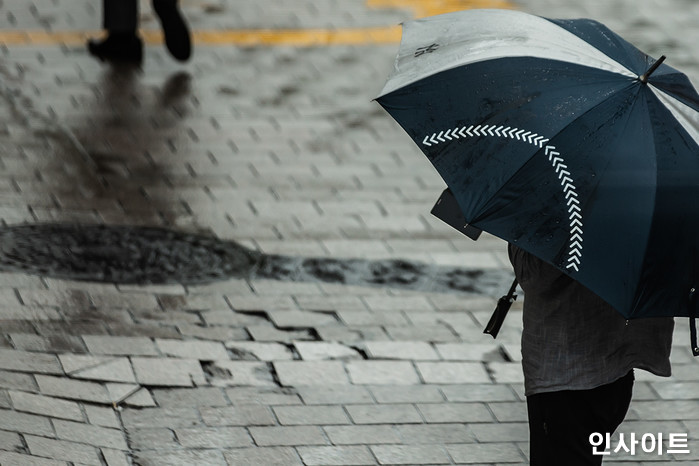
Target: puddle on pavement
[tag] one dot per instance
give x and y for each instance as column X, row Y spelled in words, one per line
column 151, row 255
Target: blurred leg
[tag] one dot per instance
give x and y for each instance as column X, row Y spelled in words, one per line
column 177, row 39
column 122, row 44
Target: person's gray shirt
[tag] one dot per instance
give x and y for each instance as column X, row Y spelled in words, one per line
column 573, row 340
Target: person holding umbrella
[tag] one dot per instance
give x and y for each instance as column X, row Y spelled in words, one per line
column 582, row 152
column 578, row 356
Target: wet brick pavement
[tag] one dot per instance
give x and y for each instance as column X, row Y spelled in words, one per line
column 278, row 148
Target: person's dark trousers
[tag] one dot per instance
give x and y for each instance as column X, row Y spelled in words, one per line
column 120, row 16
column 560, row 423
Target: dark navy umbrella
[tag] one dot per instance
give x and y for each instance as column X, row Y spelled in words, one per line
column 561, row 137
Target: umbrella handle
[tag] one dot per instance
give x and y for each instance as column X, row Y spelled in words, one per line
column 500, row 311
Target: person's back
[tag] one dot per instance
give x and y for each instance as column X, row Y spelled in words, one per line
column 578, row 356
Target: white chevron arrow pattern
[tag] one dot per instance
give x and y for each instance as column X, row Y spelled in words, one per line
column 575, row 219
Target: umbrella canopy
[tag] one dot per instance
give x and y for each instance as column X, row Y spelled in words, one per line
column 561, row 137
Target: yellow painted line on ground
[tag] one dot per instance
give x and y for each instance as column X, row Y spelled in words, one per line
column 273, row 37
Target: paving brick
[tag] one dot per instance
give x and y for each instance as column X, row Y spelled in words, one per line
column 46, row 406
column 10, row 441
column 336, row 455
column 469, row 351
column 407, row 394
column 212, row 333
column 18, row 459
column 478, row 392
column 430, row 333
column 73, row 389
column 218, row 437
column 310, row 415
column 363, row 434
column 666, row 410
column 417, row 434
column 101, row 416
column 62, row 450
column 364, row 317
column 162, row 417
column 288, row 436
column 25, row 361
column 17, row 381
column 321, row 350
column 410, row 454
column 509, row 411
column 413, row 350
column 244, row 415
column 242, row 373
column 156, row 438
column 272, row 456
column 452, row 372
column 90, row 434
column 301, row 319
column 168, row 372
column 298, row 373
column 380, row 304
column 384, row 414
column 334, row 394
column 115, row 457
column 25, row 423
column 262, row 395
column 501, row 432
column 201, row 350
column 120, row 346
column 260, row 351
column 113, row 370
column 269, row 333
column 51, row 344
column 382, row 373
column 455, row 412
column 485, row 453
column 203, row 396
column 506, row 372
column 180, row 458
column 77, row 362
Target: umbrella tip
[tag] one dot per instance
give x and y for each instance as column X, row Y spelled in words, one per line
column 644, row 77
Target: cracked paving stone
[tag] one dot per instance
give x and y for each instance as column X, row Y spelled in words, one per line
column 168, row 372
column 414, row 350
column 322, row 350
column 73, row 389
column 116, row 370
column 229, row 373
column 201, row 350
column 260, row 351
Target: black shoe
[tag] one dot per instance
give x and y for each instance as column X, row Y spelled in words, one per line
column 118, row 47
column 177, row 39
